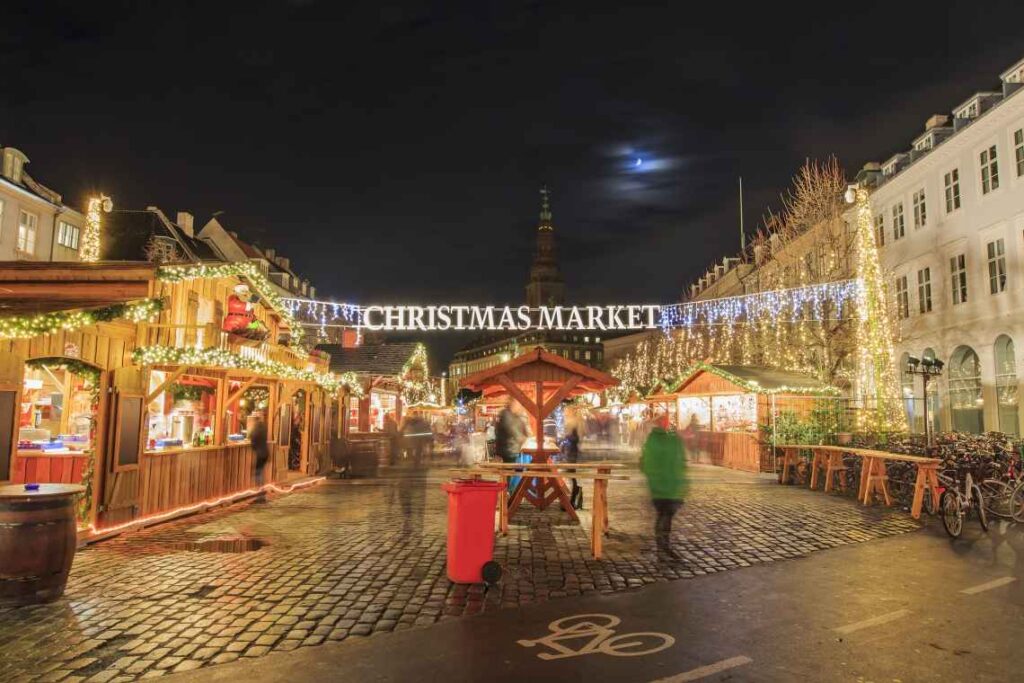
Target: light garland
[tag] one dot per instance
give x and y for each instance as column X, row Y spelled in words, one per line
column 220, row 358
column 875, row 359
column 418, row 391
column 24, row 327
column 752, row 386
column 250, row 271
column 89, row 247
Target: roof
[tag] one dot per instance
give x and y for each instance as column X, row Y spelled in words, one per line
column 592, row 380
column 126, row 233
column 759, row 379
column 42, row 287
column 387, row 359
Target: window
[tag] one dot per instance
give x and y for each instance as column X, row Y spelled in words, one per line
column 952, row 190
column 67, row 235
column 1006, row 385
column 880, row 230
column 1018, row 150
column 924, row 290
column 965, row 400
column 27, row 232
column 989, row 170
column 586, row 355
column 996, row 266
column 902, row 298
column 920, row 217
column 958, row 278
column 897, row 221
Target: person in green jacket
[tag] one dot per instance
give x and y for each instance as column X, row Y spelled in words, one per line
column 663, row 462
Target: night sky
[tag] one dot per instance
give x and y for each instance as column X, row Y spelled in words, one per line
column 395, row 151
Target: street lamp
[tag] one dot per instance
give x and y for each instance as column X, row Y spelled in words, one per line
column 927, row 368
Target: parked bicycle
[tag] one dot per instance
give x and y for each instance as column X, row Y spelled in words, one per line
column 960, row 496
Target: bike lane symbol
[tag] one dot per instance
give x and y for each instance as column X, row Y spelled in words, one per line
column 587, row 634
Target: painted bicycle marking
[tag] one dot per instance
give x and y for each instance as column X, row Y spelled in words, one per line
column 595, row 634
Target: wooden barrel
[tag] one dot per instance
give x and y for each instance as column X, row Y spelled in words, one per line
column 37, row 542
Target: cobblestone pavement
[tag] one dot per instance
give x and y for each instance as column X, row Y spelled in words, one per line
column 353, row 558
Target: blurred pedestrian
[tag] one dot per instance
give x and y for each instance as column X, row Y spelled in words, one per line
column 509, row 434
column 571, row 446
column 256, row 430
column 663, row 462
column 393, row 437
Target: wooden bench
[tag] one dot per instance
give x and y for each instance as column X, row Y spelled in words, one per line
column 873, row 478
column 599, row 473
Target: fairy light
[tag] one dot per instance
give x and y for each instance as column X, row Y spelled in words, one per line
column 24, row 327
column 250, row 271
column 204, row 505
column 222, row 358
column 89, row 246
column 876, row 375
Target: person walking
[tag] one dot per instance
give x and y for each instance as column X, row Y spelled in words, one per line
column 394, row 438
column 663, row 462
column 572, row 454
column 257, row 431
column 509, row 434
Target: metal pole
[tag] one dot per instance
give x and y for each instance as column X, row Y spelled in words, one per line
column 927, row 425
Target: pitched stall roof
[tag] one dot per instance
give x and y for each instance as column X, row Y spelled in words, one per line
column 28, row 287
column 554, row 370
column 387, row 359
column 757, row 379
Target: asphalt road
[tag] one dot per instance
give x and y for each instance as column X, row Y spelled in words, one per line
column 910, row 608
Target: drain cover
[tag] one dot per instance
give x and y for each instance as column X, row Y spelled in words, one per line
column 230, row 544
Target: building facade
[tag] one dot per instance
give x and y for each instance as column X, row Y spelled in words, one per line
column 949, row 223
column 35, row 224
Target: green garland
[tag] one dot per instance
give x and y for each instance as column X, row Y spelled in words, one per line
column 26, row 327
column 257, row 396
column 219, row 358
column 189, row 392
column 250, row 271
column 91, row 375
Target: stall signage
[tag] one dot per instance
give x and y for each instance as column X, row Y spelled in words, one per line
column 512, row 318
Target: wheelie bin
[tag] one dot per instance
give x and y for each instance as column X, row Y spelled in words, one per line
column 471, row 506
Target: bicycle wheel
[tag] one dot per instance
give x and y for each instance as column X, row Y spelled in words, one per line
column 952, row 514
column 997, row 496
column 636, row 644
column 979, row 507
column 1017, row 503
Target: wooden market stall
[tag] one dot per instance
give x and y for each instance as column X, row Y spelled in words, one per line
column 539, row 381
column 139, row 382
column 722, row 410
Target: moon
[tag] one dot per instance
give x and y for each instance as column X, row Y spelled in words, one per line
column 638, row 163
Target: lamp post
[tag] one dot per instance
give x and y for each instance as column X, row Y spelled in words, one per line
column 927, row 368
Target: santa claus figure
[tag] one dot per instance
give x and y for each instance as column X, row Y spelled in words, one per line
column 241, row 319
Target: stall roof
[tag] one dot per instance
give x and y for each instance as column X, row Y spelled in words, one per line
column 757, row 379
column 30, row 287
column 381, row 360
column 560, row 368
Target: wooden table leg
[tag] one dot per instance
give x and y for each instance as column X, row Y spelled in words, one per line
column 597, row 517
column 785, row 465
column 503, row 506
column 815, row 464
column 927, row 482
column 862, row 485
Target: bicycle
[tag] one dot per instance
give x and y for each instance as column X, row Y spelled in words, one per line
column 1003, row 490
column 955, row 504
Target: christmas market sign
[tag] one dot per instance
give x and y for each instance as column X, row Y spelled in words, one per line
column 511, row 318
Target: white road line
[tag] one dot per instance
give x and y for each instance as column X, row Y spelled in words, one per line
column 704, row 671
column 982, row 587
column 874, row 621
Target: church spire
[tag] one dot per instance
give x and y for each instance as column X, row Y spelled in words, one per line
column 545, row 209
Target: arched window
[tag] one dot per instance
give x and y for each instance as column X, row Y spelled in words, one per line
column 1006, row 385
column 965, row 401
column 907, row 389
column 934, row 400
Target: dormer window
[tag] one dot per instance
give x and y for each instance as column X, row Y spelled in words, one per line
column 14, row 164
column 923, row 144
column 968, row 111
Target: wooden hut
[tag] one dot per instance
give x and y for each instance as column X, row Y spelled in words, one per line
column 127, row 377
column 722, row 410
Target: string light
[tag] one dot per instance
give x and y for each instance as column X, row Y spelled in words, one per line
column 250, row 271
column 89, row 247
column 221, row 358
column 206, row 504
column 24, row 327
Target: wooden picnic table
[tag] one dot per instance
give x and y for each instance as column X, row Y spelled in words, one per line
column 873, row 477
column 600, row 473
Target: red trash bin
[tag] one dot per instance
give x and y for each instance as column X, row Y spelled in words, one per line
column 471, row 506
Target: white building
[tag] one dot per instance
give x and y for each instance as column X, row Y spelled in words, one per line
column 949, row 219
column 35, row 225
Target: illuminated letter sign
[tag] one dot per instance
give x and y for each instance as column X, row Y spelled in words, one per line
column 508, row 318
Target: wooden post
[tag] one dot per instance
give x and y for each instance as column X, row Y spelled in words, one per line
column 503, row 505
